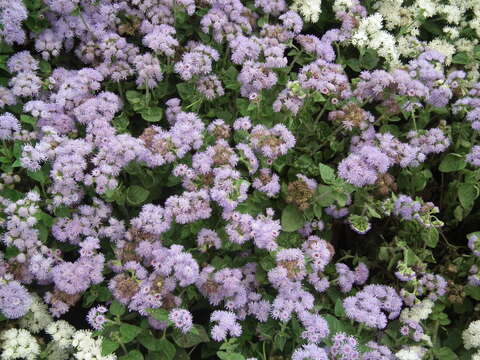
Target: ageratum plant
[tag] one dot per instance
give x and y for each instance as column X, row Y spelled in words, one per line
column 239, row 179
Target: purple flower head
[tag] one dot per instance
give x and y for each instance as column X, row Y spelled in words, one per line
column 273, row 142
column 239, row 227
column 226, row 325
column 377, row 352
column 412, row 329
column 319, row 251
column 208, row 238
column 152, row 221
column 274, row 7
column 12, row 14
column 316, row 327
column 96, row 317
column 177, row 263
column 9, row 126
column 182, row 319
column 15, row 300
column 210, row 86
column 344, row 347
column 309, row 352
column 149, row 73
column 264, row 232
column 473, row 157
column 267, row 182
column 22, row 61
column 255, row 77
column 373, row 306
column 474, row 243
column 432, row 285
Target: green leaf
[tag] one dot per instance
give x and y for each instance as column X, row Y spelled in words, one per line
column 117, row 309
column 132, row 355
column 109, row 346
column 279, row 341
column 354, row 64
column 230, row 355
column 190, row 339
column 121, row 122
column 317, row 210
column 444, row 353
column 473, row 292
column 129, row 332
column 327, row 173
column 149, row 342
column 159, row 314
column 431, row 237
column 324, row 196
column 45, row 67
column 137, row 195
column 461, row 58
column 292, row 218
column 134, row 97
column 185, row 90
column 38, row 176
column 11, row 251
column 166, row 349
column 334, row 325
column 370, row 59
column 152, row 114
column 467, row 193
column 27, row 119
column 339, row 310
column 452, row 162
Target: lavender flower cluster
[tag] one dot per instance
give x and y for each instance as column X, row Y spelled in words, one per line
column 179, row 165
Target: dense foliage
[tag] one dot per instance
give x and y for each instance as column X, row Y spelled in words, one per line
column 239, row 179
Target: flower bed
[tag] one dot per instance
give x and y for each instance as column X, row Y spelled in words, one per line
column 239, row 180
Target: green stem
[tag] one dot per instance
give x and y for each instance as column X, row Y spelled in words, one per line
column 123, row 348
column 322, row 111
column 335, row 132
column 120, row 91
column 294, row 62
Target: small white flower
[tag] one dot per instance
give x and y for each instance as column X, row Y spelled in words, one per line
column 61, row 332
column 18, row 344
column 471, row 335
column 38, row 318
column 309, row 9
column 411, row 353
column 417, row 312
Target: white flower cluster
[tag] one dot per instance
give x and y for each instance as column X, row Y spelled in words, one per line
column 404, row 22
column 411, row 353
column 370, row 34
column 62, row 333
column 67, row 343
column 88, row 348
column 18, row 344
column 471, row 336
column 38, row 318
column 418, row 312
column 310, row 9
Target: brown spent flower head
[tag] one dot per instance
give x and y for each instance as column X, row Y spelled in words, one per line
column 161, row 146
column 456, row 292
column 386, row 184
column 68, row 299
column 126, row 286
column 222, row 154
column 127, row 252
column 300, row 194
column 221, row 131
column 292, row 267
